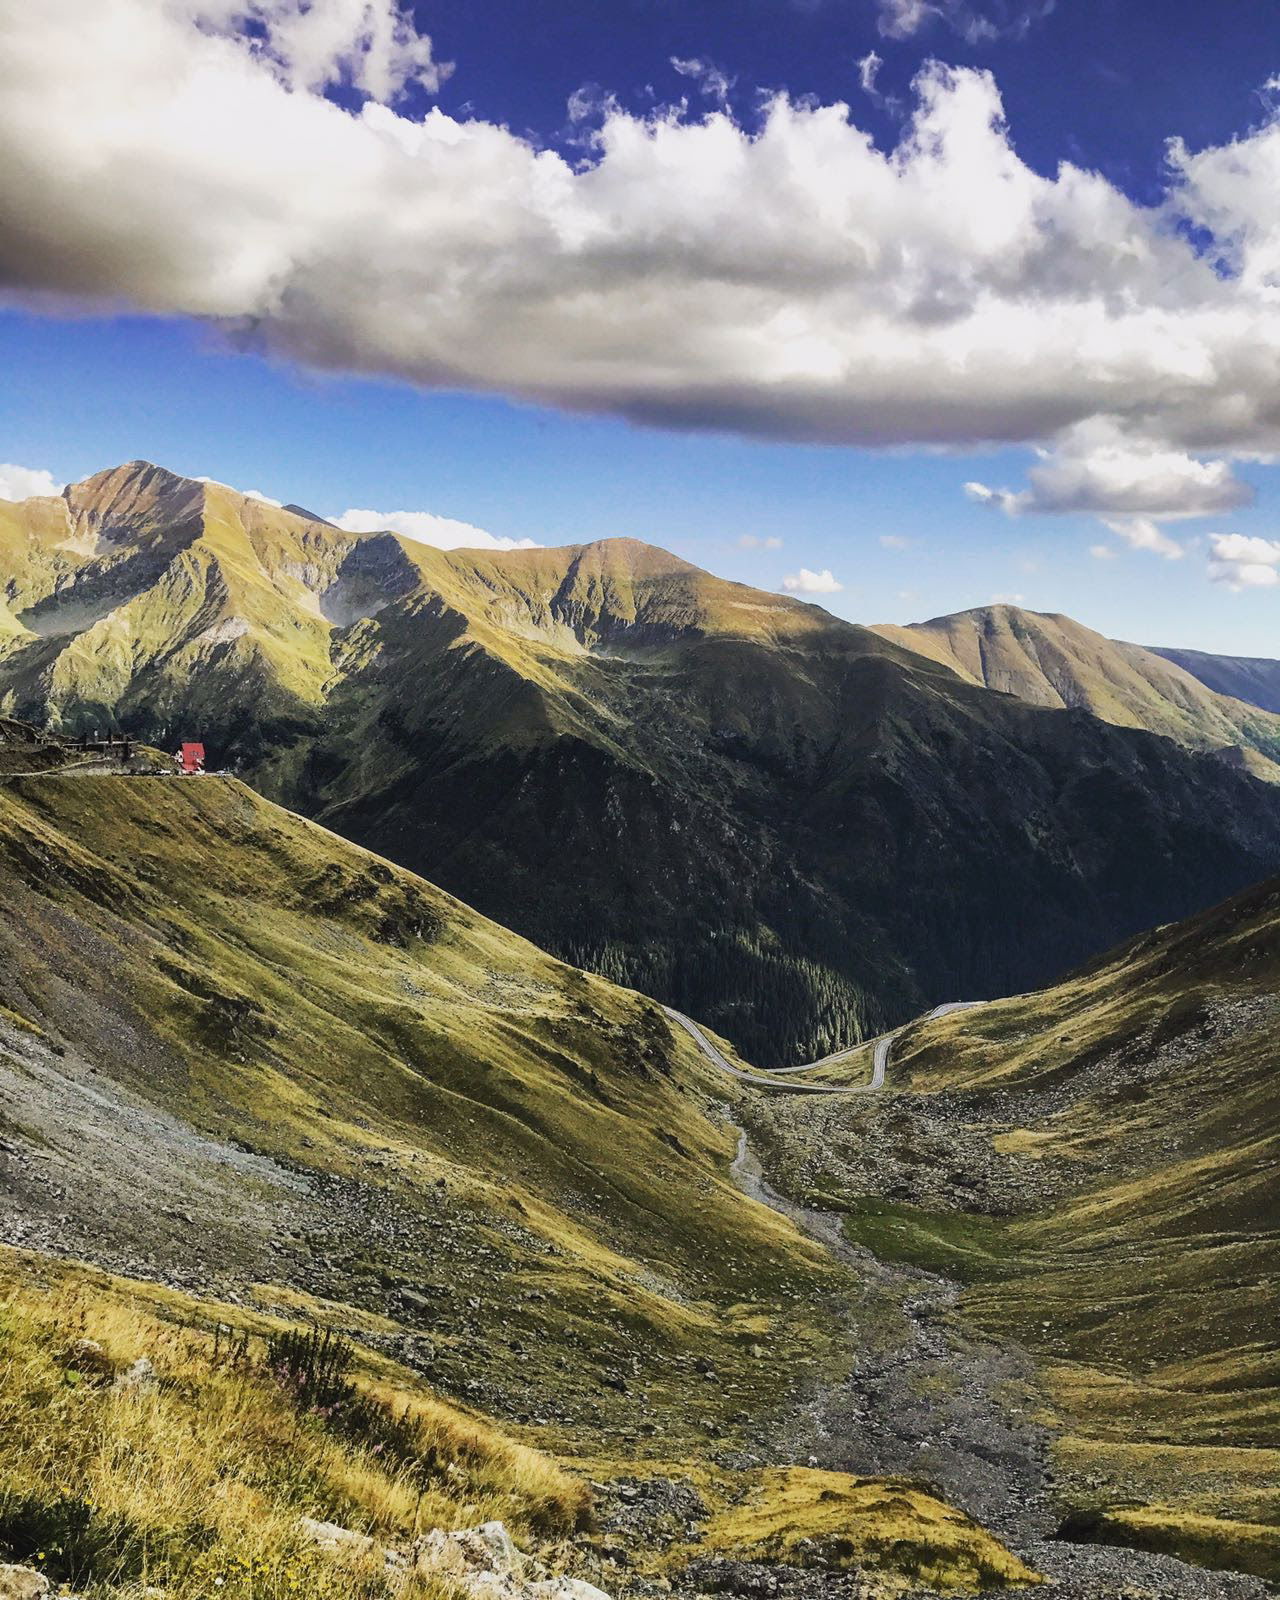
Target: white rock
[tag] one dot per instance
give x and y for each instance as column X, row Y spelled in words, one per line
column 329, row 1536
column 482, row 1563
column 141, row 1375
column 564, row 1589
column 22, row 1583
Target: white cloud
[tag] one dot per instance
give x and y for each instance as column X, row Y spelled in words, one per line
column 373, row 45
column 426, row 528
column 713, row 83
column 806, row 582
column 249, row 494
column 787, row 278
column 899, row 19
column 753, row 541
column 1008, row 599
column 895, row 541
column 1097, row 468
column 1132, row 486
column 868, row 70
column 1000, row 499
column 1102, row 552
column 25, row 483
column 1242, row 562
column 976, row 24
column 1141, row 533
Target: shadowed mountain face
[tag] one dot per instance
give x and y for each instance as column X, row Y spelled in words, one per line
column 1052, row 661
column 1253, row 679
column 780, row 822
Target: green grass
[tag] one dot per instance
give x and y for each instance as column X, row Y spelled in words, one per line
column 284, row 988
column 833, row 1522
column 1213, row 1542
column 967, row 1247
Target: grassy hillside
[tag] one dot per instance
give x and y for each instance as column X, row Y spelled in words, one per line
column 195, row 1477
column 1098, row 1162
column 773, row 819
column 1253, row 679
column 154, row 1440
column 1153, row 1112
column 379, row 1097
column 1053, row 661
column 267, row 1080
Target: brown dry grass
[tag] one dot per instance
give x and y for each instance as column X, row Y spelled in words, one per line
column 196, row 1481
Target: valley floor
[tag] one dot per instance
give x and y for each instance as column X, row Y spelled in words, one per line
column 912, row 1391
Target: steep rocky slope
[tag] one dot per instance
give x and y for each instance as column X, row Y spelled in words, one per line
column 1098, row 1163
column 775, row 820
column 1052, row 661
column 1253, row 679
column 238, row 1049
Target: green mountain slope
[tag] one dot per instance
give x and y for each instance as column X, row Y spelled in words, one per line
column 1053, row 661
column 251, row 1050
column 769, row 817
column 1252, row 679
column 1140, row 1117
column 1098, row 1163
column 269, row 1080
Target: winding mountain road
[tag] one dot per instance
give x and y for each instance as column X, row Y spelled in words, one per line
column 769, row 1080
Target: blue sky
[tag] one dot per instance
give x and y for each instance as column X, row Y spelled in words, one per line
column 167, row 374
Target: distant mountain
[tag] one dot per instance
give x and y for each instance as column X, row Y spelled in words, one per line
column 1253, row 679
column 1050, row 660
column 785, row 824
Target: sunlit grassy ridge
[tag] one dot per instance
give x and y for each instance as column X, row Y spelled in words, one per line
column 826, row 1519
column 1145, row 1089
column 1051, row 660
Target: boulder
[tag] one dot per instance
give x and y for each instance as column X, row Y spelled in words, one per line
column 482, row 1563
column 22, row 1583
column 334, row 1539
column 565, row 1589
column 139, row 1375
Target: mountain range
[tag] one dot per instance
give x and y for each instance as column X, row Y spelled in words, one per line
column 791, row 826
column 1249, row 678
column 1095, row 1163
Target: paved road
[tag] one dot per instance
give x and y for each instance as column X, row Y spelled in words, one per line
column 770, row 1080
